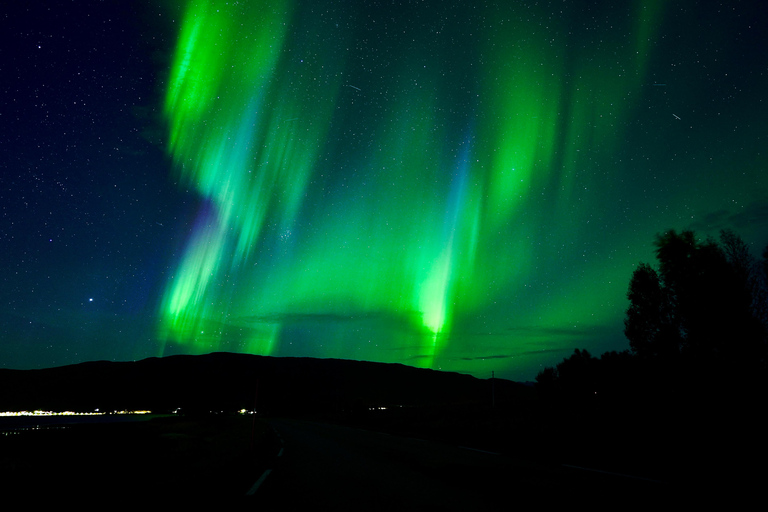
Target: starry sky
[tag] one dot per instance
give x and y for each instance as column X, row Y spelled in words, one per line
column 465, row 186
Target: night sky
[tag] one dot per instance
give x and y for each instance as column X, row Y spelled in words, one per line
column 458, row 185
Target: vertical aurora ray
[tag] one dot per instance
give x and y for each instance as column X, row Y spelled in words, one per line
column 437, row 291
column 362, row 205
column 232, row 137
column 360, row 260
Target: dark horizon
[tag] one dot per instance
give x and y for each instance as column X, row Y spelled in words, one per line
column 231, row 382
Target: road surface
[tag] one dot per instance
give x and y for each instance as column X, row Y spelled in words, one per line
column 342, row 468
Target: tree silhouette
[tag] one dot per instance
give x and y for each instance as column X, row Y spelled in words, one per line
column 649, row 324
column 696, row 325
column 702, row 304
column 697, row 321
column 577, row 373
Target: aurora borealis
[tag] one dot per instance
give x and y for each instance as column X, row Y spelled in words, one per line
column 464, row 186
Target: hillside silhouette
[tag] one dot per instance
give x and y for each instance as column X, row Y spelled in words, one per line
column 229, row 382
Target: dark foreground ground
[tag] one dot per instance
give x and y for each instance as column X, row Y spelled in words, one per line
column 167, row 458
column 355, row 466
column 345, row 468
column 313, row 464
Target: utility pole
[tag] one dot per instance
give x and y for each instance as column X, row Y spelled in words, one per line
column 493, row 390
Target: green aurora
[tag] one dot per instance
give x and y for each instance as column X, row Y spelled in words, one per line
column 465, row 186
column 420, row 185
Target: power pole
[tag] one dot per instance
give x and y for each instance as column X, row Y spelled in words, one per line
column 493, row 390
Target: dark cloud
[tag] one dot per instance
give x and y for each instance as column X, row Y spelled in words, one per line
column 417, row 357
column 546, row 351
column 555, row 332
column 752, row 216
column 498, row 356
column 524, row 353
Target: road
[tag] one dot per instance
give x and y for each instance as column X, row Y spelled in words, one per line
column 343, row 468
